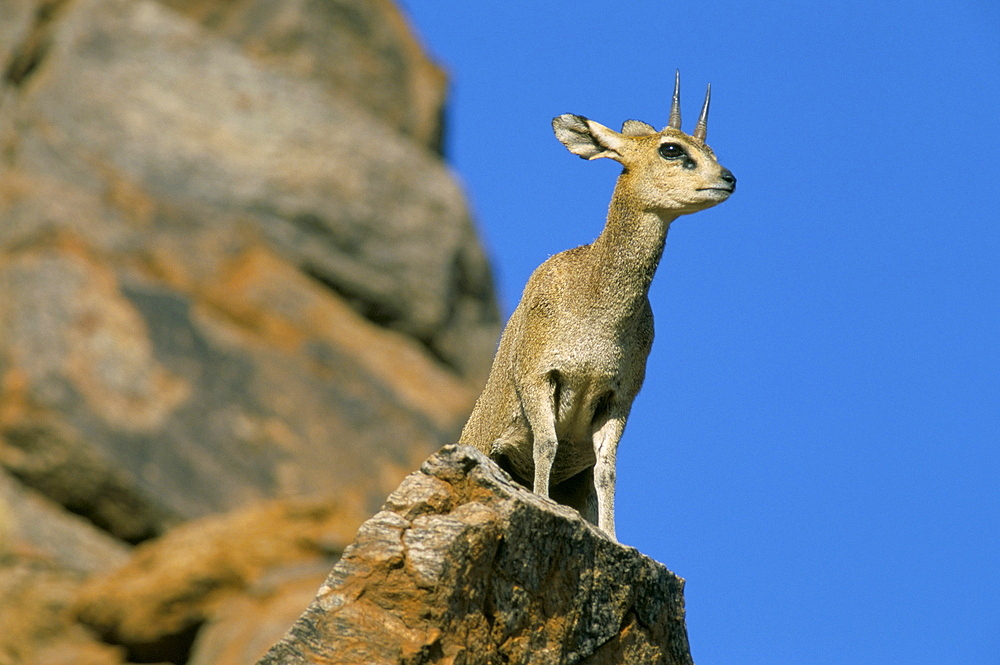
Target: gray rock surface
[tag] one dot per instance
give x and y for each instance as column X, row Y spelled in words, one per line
column 366, row 48
column 33, row 526
column 162, row 597
column 131, row 89
column 463, row 565
column 224, row 278
column 36, row 617
column 243, row 627
column 234, row 271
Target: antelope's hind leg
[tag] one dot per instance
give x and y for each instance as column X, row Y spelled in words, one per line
column 538, row 401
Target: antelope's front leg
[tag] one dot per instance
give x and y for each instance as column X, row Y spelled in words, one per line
column 606, row 452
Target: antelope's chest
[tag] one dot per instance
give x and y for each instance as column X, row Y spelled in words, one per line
column 600, row 345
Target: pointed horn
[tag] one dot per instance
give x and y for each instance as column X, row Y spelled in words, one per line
column 675, row 105
column 701, row 129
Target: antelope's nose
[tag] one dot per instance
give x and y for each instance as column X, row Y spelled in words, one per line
column 727, row 176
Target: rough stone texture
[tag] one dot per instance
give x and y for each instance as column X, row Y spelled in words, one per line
column 36, row 623
column 463, row 565
column 243, row 627
column 155, row 603
column 224, row 279
column 233, row 269
column 14, row 28
column 364, row 47
column 136, row 405
column 36, row 528
column 130, row 90
column 45, row 554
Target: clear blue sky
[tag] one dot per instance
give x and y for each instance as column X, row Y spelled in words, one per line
column 817, row 445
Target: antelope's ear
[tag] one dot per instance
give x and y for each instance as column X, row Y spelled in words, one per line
column 586, row 138
column 637, row 128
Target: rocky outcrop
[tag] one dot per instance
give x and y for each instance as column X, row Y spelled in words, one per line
column 365, row 48
column 234, row 272
column 226, row 277
column 46, row 555
column 36, row 617
column 462, row 565
column 243, row 626
column 155, row 604
column 240, row 298
column 34, row 527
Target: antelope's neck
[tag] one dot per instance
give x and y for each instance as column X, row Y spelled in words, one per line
column 628, row 251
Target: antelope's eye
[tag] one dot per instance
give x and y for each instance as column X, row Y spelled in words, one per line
column 671, row 151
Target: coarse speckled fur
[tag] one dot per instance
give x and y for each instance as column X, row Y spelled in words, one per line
column 573, row 355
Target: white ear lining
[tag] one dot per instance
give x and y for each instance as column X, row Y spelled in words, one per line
column 586, row 138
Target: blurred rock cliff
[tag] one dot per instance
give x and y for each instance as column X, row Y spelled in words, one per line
column 241, row 297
